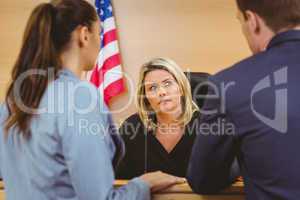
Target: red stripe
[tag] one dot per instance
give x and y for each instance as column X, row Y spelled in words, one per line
column 111, row 62
column 113, row 89
column 108, row 64
column 110, row 36
column 95, row 76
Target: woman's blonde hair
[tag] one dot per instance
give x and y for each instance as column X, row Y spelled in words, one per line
column 144, row 109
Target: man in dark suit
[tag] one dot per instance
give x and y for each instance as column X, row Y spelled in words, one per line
column 253, row 110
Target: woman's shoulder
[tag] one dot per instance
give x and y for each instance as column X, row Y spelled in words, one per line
column 74, row 94
column 2, row 108
column 134, row 118
column 195, row 116
column 3, row 111
column 132, row 126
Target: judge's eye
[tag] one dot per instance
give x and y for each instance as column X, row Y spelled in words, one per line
column 153, row 88
column 167, row 84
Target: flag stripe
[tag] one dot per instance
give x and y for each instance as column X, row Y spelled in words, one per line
column 109, row 65
column 107, row 74
column 108, row 51
column 109, row 24
column 113, row 89
column 95, row 76
column 110, row 76
column 110, row 36
column 111, row 62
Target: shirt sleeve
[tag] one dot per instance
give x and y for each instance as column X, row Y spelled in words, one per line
column 88, row 152
column 215, row 147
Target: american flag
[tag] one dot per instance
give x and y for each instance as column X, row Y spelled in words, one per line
column 107, row 74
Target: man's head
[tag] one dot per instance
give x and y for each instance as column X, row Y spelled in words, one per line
column 262, row 19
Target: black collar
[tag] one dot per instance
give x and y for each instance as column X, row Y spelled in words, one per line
column 288, row 36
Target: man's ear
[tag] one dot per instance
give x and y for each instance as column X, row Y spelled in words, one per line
column 83, row 36
column 253, row 21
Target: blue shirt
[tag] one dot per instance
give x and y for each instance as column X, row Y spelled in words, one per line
column 69, row 154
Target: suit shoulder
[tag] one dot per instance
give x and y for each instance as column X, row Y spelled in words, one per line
column 246, row 66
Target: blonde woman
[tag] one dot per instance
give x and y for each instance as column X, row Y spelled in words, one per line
column 161, row 135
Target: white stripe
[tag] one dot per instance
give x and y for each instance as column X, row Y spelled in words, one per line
column 108, row 24
column 89, row 75
column 106, row 52
column 111, row 76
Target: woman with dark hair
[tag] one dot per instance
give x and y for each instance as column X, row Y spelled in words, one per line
column 57, row 139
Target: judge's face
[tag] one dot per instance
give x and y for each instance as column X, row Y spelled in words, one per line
column 162, row 92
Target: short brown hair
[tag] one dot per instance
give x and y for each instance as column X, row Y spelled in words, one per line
column 278, row 14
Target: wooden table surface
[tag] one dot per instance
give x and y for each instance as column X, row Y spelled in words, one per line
column 181, row 192
column 236, row 188
column 184, row 192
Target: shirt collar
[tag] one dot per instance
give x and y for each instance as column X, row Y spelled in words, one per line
column 288, row 36
column 67, row 73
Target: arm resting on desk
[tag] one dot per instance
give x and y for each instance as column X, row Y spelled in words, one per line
column 88, row 156
column 213, row 153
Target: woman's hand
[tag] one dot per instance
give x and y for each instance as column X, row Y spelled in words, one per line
column 159, row 181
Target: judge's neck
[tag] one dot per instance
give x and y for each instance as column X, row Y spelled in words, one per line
column 168, row 118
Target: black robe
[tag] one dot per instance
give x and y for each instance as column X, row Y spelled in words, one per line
column 144, row 153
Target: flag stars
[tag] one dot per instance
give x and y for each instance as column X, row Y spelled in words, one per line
column 104, row 9
column 109, row 8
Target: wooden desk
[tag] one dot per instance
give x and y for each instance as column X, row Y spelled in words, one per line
column 2, row 194
column 184, row 192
